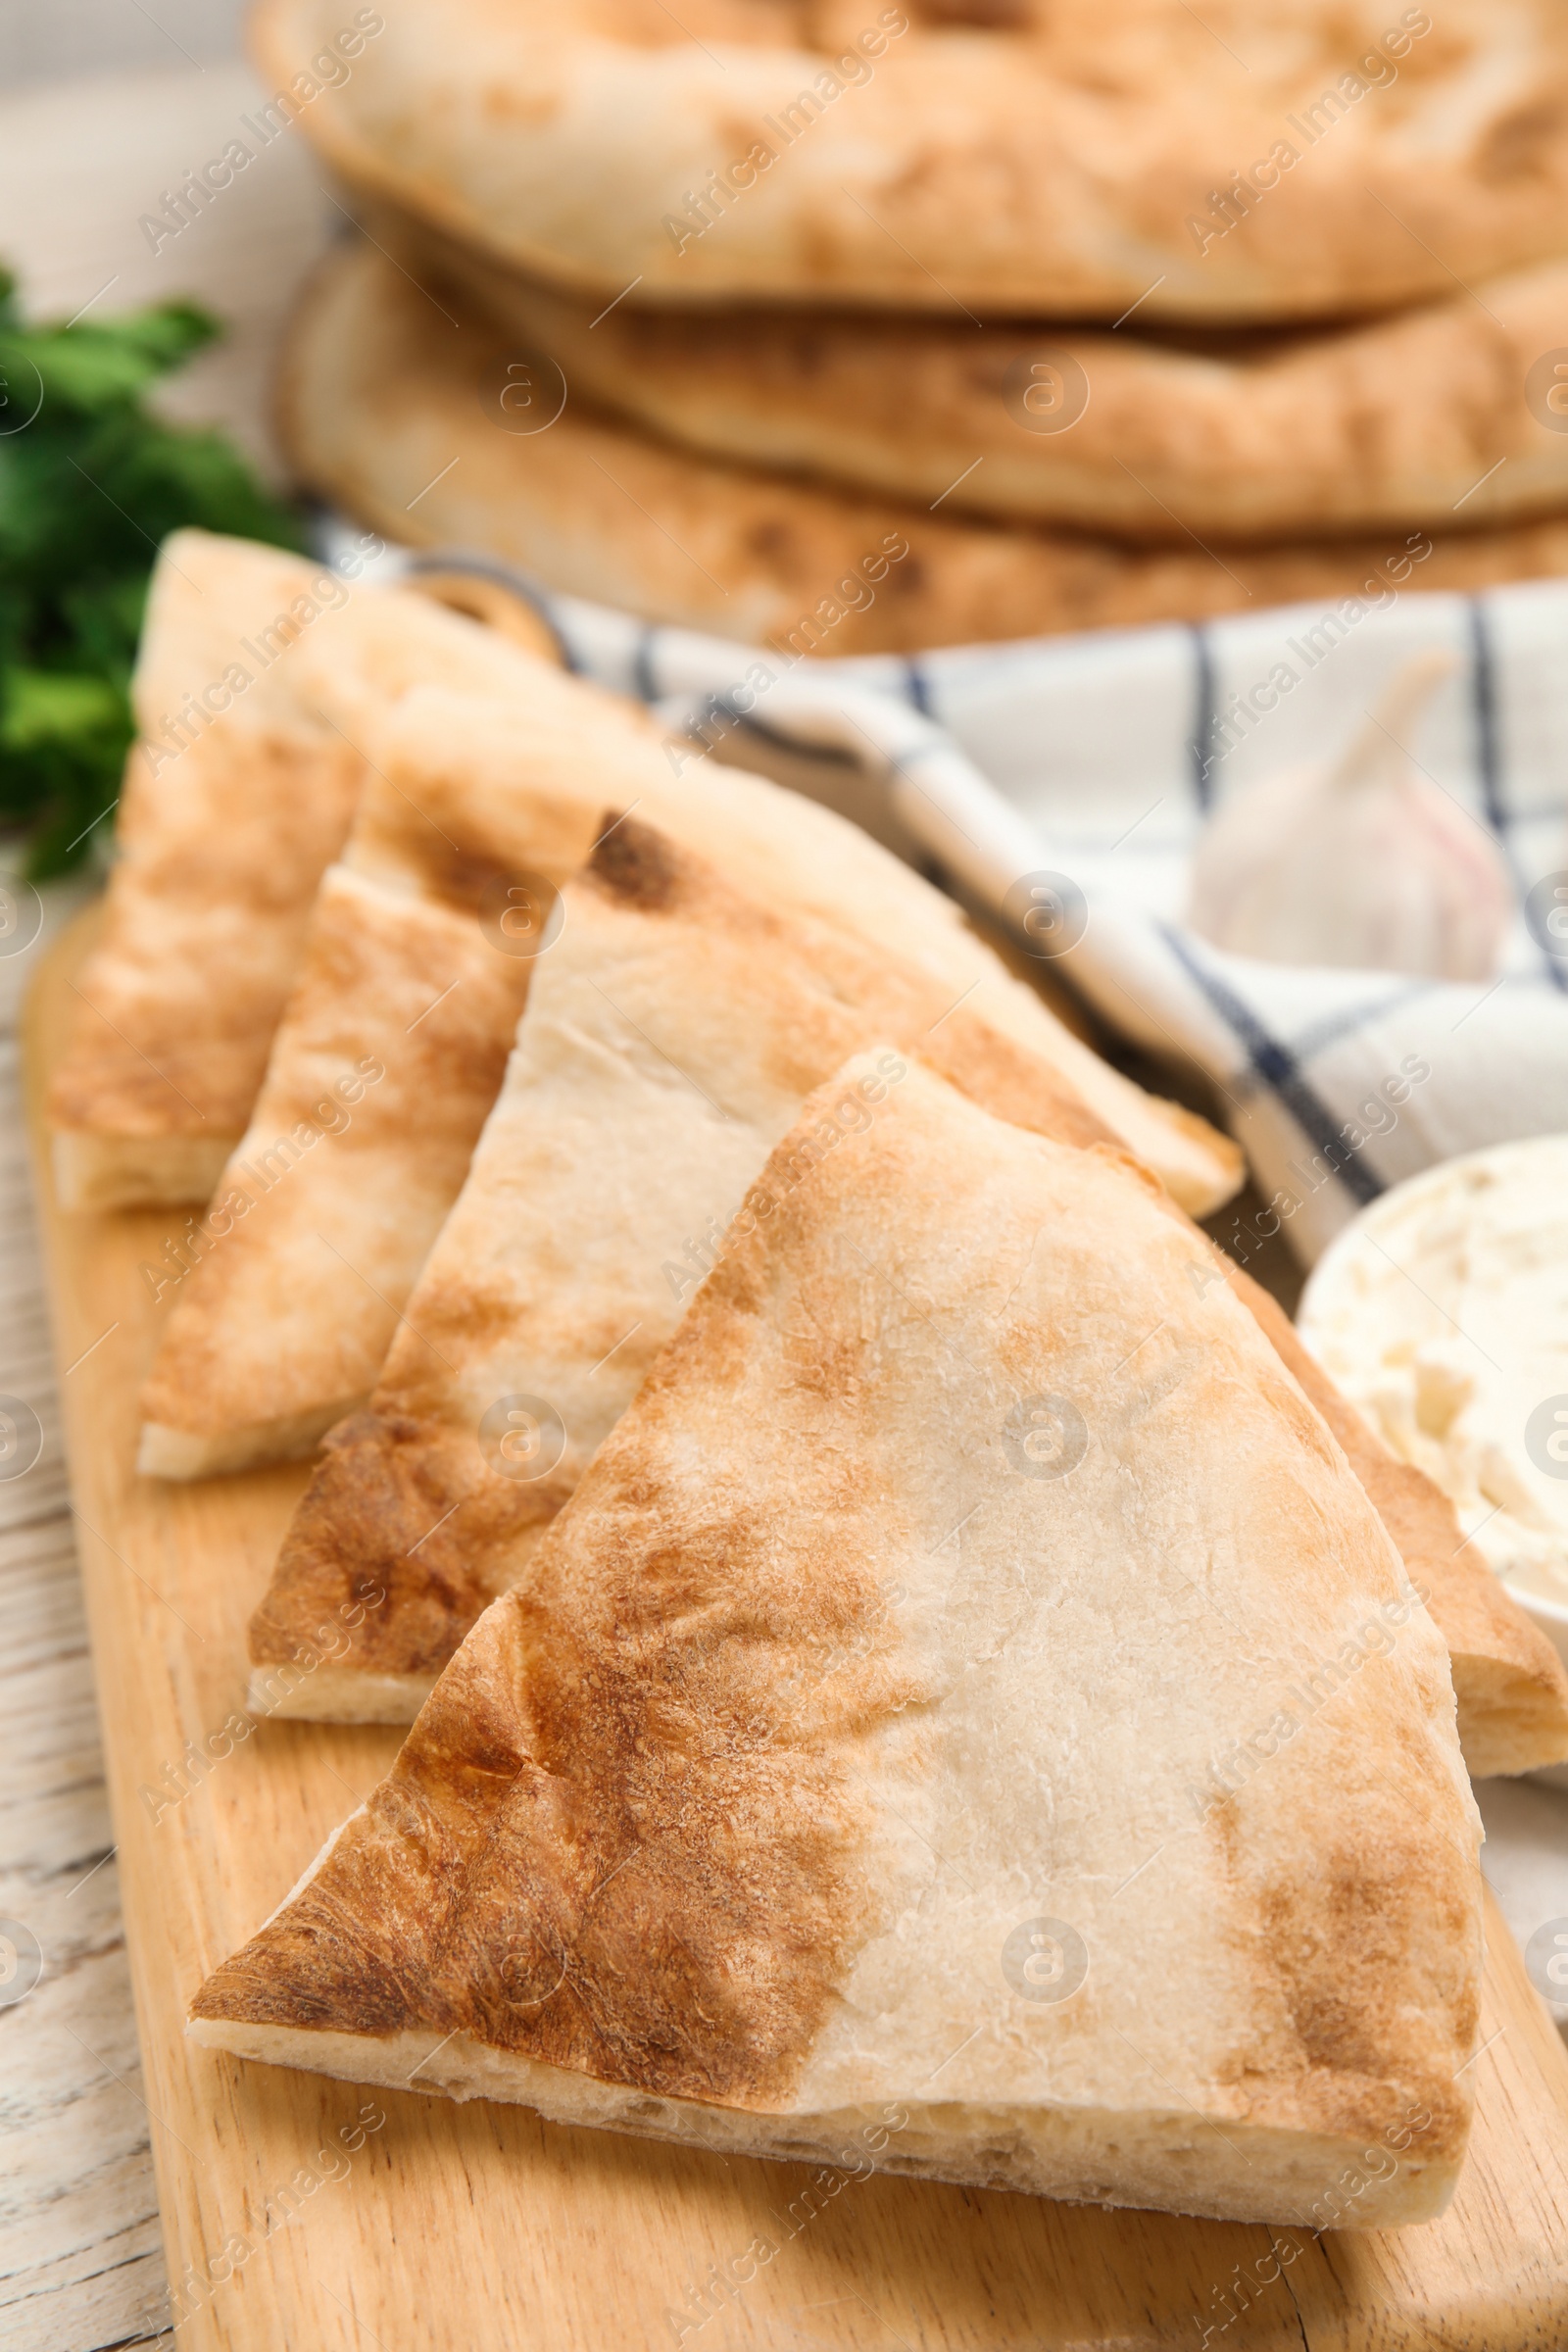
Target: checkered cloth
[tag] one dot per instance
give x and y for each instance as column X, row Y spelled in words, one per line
column 1093, row 761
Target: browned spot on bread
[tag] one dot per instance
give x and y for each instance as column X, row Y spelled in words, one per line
column 1523, row 143
column 1338, row 1942
column 987, row 16
column 394, row 1547
column 1012, row 1085
column 909, row 578
column 466, row 878
column 636, row 863
column 772, row 541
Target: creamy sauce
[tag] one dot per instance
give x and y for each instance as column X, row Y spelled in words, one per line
column 1442, row 1314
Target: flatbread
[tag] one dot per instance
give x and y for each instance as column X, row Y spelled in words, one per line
column 384, row 1066
column 1420, row 418
column 252, row 665
column 398, row 415
column 536, row 772
column 999, row 155
column 220, row 851
column 667, row 1045
column 669, row 1041
column 875, row 1682
column 282, row 1325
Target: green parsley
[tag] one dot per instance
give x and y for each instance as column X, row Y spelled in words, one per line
column 90, row 484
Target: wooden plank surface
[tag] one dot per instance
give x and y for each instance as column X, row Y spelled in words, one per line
column 79, row 2262
column 309, row 2214
column 80, row 161
column 80, row 2251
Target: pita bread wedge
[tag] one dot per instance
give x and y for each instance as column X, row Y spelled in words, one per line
column 522, row 774
column 1252, row 161
column 476, row 811
column 384, row 1066
column 668, row 1042
column 1380, row 424
column 251, row 666
column 863, row 1724
column 225, row 827
column 669, row 1039
column 409, row 431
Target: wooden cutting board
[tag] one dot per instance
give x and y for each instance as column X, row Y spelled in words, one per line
column 318, row 2217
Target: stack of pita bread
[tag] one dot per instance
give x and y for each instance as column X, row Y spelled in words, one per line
column 864, row 328
column 864, row 1571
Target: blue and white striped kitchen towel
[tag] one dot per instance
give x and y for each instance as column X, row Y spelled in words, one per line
column 1097, row 757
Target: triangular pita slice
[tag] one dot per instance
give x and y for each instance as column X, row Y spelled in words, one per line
column 668, row 1040
column 874, row 1718
column 559, row 752
column 284, row 1321
column 226, row 825
column 671, row 1037
column 240, row 791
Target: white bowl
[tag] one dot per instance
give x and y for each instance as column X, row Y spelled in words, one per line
column 1328, row 1299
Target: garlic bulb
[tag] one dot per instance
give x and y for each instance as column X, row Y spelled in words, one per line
column 1365, row 862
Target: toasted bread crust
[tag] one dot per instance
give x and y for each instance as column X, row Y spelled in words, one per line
column 1388, row 423
column 1026, row 160
column 403, row 1494
column 253, row 676
column 386, row 1062
column 226, row 823
column 372, row 408
column 673, row 1819
column 412, row 967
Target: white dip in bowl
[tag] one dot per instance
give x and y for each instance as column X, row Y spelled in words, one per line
column 1441, row 1312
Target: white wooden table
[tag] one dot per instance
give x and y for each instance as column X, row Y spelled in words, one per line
column 80, row 2254
column 81, row 2263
